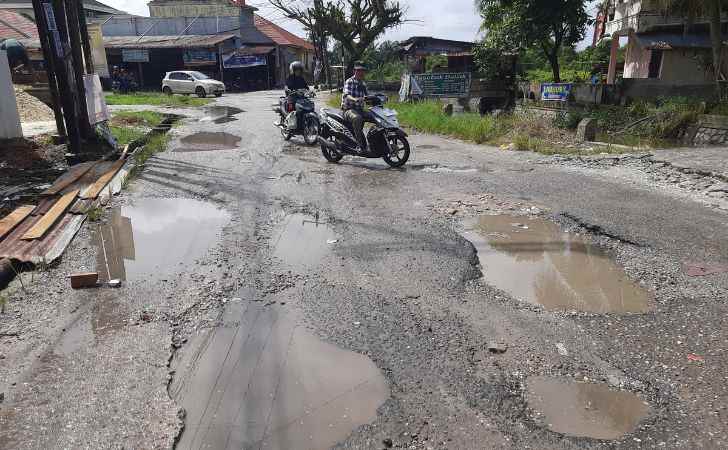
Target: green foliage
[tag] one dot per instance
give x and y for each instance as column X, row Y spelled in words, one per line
column 94, row 213
column 139, row 118
column 435, row 61
column 569, row 120
column 124, row 134
column 549, row 25
column 155, row 99
column 567, row 75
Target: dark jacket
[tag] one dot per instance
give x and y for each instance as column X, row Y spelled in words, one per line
column 295, row 83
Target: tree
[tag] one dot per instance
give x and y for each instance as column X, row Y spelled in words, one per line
column 356, row 24
column 549, row 25
column 711, row 9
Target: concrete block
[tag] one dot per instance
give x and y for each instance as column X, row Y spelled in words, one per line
column 84, row 280
column 9, row 117
column 587, row 130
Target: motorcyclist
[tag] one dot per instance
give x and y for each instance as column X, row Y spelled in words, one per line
column 352, row 102
column 295, row 80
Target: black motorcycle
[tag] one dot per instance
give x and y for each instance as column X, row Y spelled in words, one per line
column 297, row 116
column 385, row 139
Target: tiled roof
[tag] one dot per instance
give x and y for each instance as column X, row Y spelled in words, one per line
column 16, row 26
column 279, row 35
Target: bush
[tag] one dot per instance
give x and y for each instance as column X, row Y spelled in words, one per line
column 569, row 120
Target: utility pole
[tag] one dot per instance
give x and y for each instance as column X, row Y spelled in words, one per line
column 46, row 44
column 67, row 53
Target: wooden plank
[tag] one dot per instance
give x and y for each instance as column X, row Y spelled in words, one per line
column 9, row 222
column 96, row 188
column 49, row 218
column 44, row 204
column 70, row 177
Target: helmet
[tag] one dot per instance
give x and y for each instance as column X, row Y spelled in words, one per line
column 296, row 65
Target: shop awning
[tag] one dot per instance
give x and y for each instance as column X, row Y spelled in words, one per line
column 255, row 50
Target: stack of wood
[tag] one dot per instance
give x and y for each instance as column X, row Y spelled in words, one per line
column 40, row 233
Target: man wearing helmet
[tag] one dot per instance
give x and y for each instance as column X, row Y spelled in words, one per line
column 296, row 81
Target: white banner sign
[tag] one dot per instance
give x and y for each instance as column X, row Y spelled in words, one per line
column 95, row 101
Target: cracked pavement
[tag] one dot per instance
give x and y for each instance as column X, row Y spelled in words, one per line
column 394, row 287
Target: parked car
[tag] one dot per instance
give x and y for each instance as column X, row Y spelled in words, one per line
column 191, row 82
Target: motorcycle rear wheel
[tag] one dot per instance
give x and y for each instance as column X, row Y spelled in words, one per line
column 400, row 151
column 310, row 130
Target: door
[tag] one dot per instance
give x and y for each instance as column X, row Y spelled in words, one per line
column 655, row 64
column 186, row 83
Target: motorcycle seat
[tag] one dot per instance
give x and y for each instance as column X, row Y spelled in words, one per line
column 337, row 115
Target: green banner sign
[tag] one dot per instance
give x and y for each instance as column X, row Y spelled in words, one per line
column 444, row 84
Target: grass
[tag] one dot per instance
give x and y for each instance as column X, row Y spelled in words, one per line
column 155, row 99
column 94, row 213
column 129, row 126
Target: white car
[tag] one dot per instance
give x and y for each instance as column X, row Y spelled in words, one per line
column 191, row 82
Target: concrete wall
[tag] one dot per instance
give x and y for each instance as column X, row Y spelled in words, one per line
column 9, row 118
column 684, row 65
column 711, row 130
column 634, row 88
column 636, row 60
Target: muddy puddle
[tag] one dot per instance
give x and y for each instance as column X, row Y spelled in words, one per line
column 154, row 236
column 206, row 141
column 262, row 381
column 533, row 260
column 303, row 240
column 220, row 114
column 584, row 409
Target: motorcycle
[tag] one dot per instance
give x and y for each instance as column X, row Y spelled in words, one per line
column 297, row 116
column 385, row 139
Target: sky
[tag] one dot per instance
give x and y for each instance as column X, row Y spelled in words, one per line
column 450, row 19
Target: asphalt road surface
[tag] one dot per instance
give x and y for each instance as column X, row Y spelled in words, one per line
column 274, row 300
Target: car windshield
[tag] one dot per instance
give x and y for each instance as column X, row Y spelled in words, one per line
column 199, row 76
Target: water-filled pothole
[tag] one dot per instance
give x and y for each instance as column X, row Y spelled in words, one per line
column 154, row 235
column 206, row 141
column 303, row 240
column 262, row 381
column 584, row 409
column 532, row 259
column 220, row 114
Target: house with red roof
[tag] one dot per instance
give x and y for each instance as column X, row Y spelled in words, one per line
column 258, row 57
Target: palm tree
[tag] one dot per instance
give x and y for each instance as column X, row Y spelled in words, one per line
column 713, row 10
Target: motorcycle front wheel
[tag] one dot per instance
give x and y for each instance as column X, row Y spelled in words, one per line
column 310, row 130
column 286, row 135
column 400, row 151
column 330, row 154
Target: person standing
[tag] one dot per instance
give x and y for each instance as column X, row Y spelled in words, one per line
column 352, row 102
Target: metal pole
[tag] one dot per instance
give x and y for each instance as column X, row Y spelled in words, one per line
column 50, row 66
column 67, row 82
column 79, row 70
column 86, row 40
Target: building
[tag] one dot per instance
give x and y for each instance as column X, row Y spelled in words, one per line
column 93, row 8
column 415, row 50
column 254, row 54
column 658, row 46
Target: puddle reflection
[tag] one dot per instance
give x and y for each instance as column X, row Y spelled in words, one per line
column 584, row 409
column 269, row 383
column 205, row 141
column 153, row 236
column 303, row 240
column 532, row 259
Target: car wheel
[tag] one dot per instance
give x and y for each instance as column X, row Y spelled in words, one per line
column 218, row 94
column 200, row 91
column 167, row 90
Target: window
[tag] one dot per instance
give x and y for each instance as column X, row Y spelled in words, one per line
column 199, row 76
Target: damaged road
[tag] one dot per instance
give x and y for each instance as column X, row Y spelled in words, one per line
column 272, row 300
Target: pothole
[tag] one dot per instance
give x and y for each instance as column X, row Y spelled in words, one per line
column 205, row 141
column 220, row 114
column 436, row 168
column 269, row 383
column 303, row 241
column 153, row 236
column 428, row 146
column 584, row 409
column 532, row 259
